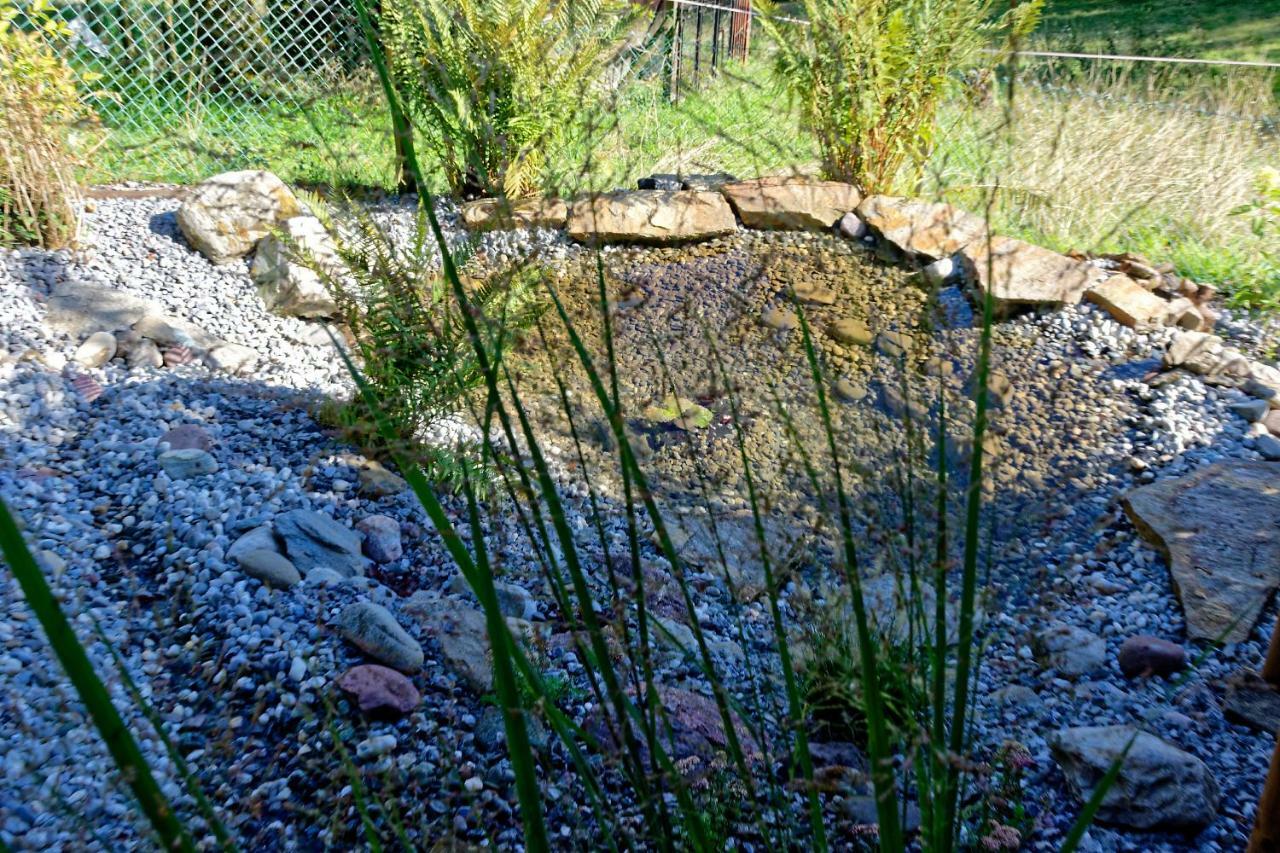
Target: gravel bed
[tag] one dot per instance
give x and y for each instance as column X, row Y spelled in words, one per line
column 242, row 674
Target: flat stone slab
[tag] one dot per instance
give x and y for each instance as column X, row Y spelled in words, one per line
column 1022, row 275
column 488, row 214
column 791, row 204
column 651, row 216
column 1129, row 302
column 81, row 308
column 919, row 228
column 1220, row 527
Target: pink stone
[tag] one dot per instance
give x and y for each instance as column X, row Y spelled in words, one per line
column 379, row 689
column 188, row 437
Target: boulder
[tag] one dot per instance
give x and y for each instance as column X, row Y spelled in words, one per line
column 1220, row 527
column 97, row 350
column 235, row 359
column 1070, row 650
column 782, row 319
column 377, row 482
column 373, row 630
column 1128, row 302
column 707, row 183
column 489, row 214
column 462, row 633
column 314, row 540
column 381, row 538
column 1160, row 787
column 791, row 203
column 851, row 331
column 225, row 216
column 173, row 331
column 1022, row 275
column 270, row 567
column 288, row 269
column 187, row 463
column 80, row 309
column 144, row 353
column 1252, row 701
column 257, row 539
column 1144, row 655
column 651, row 216
column 187, row 436
column 379, row 690
column 919, row 229
column 695, row 540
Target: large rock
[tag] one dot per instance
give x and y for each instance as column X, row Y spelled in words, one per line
column 1160, row 787
column 1129, row 302
column 695, row 540
column 174, row 331
column 97, row 350
column 1022, row 275
column 1070, row 650
column 80, row 309
column 379, row 690
column 651, row 216
column 313, row 540
column 373, row 630
column 921, row 229
column 462, row 633
column 488, row 214
column 791, row 203
column 1220, row 527
column 287, row 269
column 225, row 216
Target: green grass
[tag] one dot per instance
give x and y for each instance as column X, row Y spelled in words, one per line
column 336, row 137
column 1234, row 29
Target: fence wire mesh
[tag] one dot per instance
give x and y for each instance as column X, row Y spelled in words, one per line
column 182, row 86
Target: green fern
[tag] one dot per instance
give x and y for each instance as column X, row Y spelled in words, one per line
column 868, row 77
column 408, row 331
column 494, row 84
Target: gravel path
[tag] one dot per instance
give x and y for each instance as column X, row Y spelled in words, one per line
column 241, row 674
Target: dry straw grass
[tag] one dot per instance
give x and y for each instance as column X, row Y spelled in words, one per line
column 39, row 201
column 1154, row 166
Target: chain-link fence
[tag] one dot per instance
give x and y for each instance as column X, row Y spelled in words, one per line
column 185, row 87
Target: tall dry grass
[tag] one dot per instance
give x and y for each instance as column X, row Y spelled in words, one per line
column 39, row 101
column 1111, row 163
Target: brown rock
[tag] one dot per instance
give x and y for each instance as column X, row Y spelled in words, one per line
column 1144, row 655
column 850, row 330
column 1220, row 526
column 1020, row 275
column 379, row 689
column 791, row 203
column 462, row 634
column 1252, row 702
column 921, row 228
column 188, row 437
column 651, row 216
column 1129, row 302
column 487, row 214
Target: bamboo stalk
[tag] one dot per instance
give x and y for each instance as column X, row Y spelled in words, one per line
column 1266, row 824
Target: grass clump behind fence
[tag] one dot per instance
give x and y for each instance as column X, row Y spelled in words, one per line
column 493, row 84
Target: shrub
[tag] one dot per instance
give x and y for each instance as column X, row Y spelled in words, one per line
column 869, row 77
column 494, row 84
column 39, row 102
column 1263, row 212
column 407, row 329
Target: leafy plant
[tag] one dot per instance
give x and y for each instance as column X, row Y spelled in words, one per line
column 408, row 330
column 494, row 84
column 869, row 77
column 1262, row 286
column 39, row 102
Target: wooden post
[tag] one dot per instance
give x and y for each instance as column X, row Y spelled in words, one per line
column 1271, row 668
column 1266, row 823
column 740, row 29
